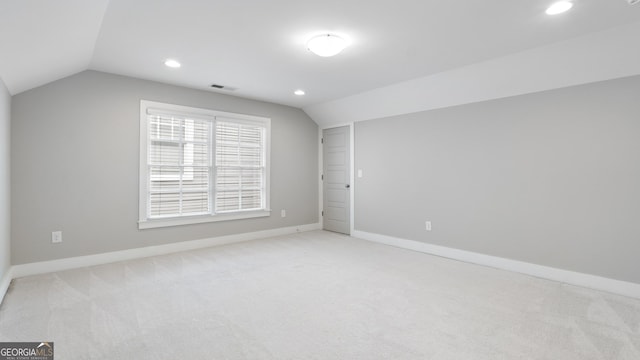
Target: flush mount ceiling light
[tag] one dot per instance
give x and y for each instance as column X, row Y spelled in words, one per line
column 559, row 7
column 172, row 63
column 326, row 45
column 299, row 92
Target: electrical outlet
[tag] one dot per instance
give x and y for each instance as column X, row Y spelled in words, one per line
column 427, row 225
column 283, row 213
column 56, row 237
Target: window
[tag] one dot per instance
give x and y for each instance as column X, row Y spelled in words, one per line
column 199, row 165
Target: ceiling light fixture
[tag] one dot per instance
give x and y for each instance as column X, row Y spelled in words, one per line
column 326, row 45
column 559, row 7
column 299, row 92
column 172, row 63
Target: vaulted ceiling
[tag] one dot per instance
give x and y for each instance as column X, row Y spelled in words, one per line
column 258, row 46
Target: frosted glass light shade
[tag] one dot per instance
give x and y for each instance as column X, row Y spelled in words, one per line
column 326, row 45
column 172, row 63
column 559, row 7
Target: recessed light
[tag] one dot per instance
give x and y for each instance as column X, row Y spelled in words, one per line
column 299, row 92
column 326, row 45
column 172, row 63
column 559, row 7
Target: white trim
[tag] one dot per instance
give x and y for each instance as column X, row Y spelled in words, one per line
column 321, row 174
column 160, row 108
column 44, row 267
column 5, row 282
column 335, row 125
column 143, row 179
column 156, row 223
column 352, row 178
column 566, row 276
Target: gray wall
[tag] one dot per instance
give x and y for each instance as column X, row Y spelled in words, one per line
column 75, row 145
column 5, row 197
column 551, row 178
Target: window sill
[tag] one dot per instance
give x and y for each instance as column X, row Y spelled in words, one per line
column 166, row 222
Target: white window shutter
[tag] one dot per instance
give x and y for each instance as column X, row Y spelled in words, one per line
column 179, row 166
column 240, row 166
column 200, row 165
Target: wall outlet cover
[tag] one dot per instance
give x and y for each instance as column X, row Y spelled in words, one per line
column 56, row 237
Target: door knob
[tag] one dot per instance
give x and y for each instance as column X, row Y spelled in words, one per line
column 347, row 186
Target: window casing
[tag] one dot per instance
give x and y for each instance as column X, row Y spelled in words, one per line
column 199, row 165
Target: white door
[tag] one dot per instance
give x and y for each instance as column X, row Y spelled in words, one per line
column 336, row 201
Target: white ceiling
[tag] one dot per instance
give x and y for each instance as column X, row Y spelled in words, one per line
column 608, row 54
column 42, row 41
column 257, row 46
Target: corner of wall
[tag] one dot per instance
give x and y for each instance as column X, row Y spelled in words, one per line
column 5, row 282
column 5, row 193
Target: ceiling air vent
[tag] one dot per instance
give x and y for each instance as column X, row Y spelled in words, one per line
column 222, row 87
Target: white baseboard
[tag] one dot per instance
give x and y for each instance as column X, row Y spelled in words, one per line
column 566, row 276
column 44, row 267
column 5, row 281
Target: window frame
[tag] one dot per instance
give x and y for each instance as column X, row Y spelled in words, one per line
column 144, row 221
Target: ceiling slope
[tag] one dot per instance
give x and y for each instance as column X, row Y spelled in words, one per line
column 258, row 47
column 604, row 55
column 42, row 41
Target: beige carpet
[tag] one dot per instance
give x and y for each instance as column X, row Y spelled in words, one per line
column 315, row 295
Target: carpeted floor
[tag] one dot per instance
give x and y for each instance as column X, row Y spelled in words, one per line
column 315, row 295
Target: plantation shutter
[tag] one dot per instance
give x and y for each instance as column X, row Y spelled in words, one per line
column 179, row 166
column 201, row 165
column 239, row 166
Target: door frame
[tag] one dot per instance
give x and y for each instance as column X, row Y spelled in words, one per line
column 351, row 173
